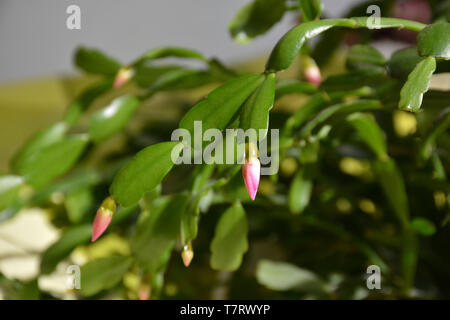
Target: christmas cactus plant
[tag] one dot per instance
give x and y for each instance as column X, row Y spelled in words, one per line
column 297, row 201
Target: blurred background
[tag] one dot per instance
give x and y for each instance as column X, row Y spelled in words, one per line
column 38, row 81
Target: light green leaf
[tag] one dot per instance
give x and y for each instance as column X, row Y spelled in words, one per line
column 53, row 160
column 364, row 57
column 103, row 273
column 157, row 231
column 370, row 132
column 70, row 239
column 256, row 18
column 417, row 84
column 95, row 61
column 230, row 239
column 434, row 41
column 300, row 191
column 222, row 104
column 78, row 203
column 9, row 189
column 311, row 9
column 112, row 119
column 255, row 112
column 145, row 172
column 423, row 226
column 39, row 141
column 282, row 276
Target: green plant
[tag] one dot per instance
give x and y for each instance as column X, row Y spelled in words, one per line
column 351, row 192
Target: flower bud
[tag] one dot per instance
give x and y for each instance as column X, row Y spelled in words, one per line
column 311, row 71
column 187, row 254
column 251, row 169
column 103, row 217
column 144, row 289
column 123, row 76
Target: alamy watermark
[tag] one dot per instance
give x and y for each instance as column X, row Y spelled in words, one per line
column 228, row 147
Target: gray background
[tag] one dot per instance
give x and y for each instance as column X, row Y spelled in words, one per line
column 34, row 40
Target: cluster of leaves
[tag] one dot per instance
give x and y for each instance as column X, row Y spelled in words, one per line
column 392, row 190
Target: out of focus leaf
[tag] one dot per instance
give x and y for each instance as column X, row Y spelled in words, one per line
column 293, row 86
column 403, row 62
column 256, row 18
column 417, row 84
column 423, row 226
column 157, row 231
column 391, row 181
column 39, row 141
column 52, row 160
column 172, row 52
column 70, row 239
column 440, row 125
column 9, row 189
column 103, row 273
column 311, row 9
column 112, row 119
column 364, row 57
column 77, row 204
column 95, row 61
column 230, row 239
column 370, row 132
column 144, row 172
column 282, row 276
column 434, row 41
column 300, row 191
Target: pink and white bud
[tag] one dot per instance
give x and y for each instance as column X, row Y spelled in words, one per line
column 144, row 290
column 187, row 254
column 311, row 71
column 251, row 170
column 123, row 76
column 103, row 217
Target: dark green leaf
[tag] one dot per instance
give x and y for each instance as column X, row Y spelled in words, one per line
column 370, row 132
column 440, row 125
column 403, row 62
column 256, row 18
column 103, row 273
column 289, row 45
column 145, row 172
column 157, row 231
column 364, row 57
column 311, row 9
column 9, row 189
column 255, row 112
column 417, row 84
column 434, row 41
column 222, row 104
column 230, row 239
column 95, row 61
column 112, row 119
column 391, row 181
column 70, row 239
column 53, row 160
column 282, row 276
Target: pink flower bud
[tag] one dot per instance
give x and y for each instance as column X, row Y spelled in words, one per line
column 103, row 217
column 187, row 254
column 144, row 289
column 251, row 170
column 311, row 71
column 123, row 76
